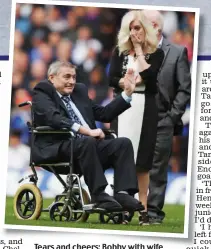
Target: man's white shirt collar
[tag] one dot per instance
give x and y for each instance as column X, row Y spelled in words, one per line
column 160, row 42
column 60, row 95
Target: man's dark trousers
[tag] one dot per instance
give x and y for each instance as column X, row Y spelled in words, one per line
column 93, row 156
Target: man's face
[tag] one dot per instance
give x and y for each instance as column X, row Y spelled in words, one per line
column 64, row 81
column 154, row 22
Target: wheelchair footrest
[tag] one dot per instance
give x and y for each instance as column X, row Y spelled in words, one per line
column 46, row 210
column 90, row 208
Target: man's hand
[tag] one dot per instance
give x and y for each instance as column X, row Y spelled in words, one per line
column 97, row 133
column 121, row 83
column 129, row 82
column 138, row 80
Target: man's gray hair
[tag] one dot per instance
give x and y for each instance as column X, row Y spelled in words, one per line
column 55, row 66
column 158, row 16
column 160, row 20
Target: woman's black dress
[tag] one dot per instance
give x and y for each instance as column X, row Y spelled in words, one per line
column 139, row 123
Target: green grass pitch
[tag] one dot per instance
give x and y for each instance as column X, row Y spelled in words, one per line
column 173, row 223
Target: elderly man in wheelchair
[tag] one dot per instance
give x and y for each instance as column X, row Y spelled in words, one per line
column 63, row 130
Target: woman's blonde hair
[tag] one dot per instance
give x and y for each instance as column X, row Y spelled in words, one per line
column 124, row 43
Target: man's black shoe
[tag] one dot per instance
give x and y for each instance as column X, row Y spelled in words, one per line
column 155, row 221
column 106, row 202
column 128, row 202
column 127, row 217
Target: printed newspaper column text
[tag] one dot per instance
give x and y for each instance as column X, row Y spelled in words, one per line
column 202, row 217
column 11, row 243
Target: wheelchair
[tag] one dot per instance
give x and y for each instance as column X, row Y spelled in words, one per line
column 74, row 203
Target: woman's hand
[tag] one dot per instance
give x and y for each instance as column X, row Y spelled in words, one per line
column 135, row 39
column 137, row 44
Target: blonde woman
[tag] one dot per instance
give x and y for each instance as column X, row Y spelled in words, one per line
column 137, row 49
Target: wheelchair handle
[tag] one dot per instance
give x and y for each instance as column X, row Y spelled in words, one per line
column 25, row 103
column 31, row 177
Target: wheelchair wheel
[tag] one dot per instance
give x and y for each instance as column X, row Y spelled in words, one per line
column 56, row 209
column 28, row 202
column 115, row 218
column 79, row 216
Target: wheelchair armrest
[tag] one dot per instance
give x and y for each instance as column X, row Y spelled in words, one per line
column 25, row 103
column 46, row 128
column 109, row 133
column 49, row 129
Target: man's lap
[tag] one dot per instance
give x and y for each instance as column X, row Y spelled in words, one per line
column 105, row 148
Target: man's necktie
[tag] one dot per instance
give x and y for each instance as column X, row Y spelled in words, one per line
column 71, row 112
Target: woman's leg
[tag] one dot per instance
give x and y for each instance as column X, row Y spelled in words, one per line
column 143, row 185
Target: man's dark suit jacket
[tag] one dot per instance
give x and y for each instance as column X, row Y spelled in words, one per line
column 174, row 82
column 49, row 110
